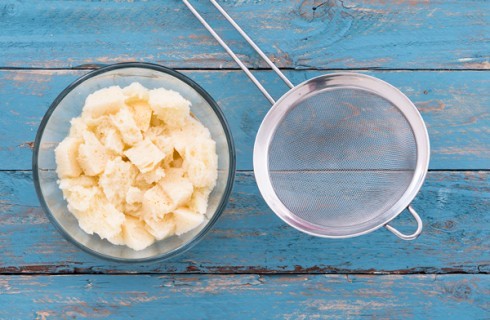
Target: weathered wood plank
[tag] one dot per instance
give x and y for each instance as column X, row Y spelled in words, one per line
column 249, row 238
column 455, row 106
column 299, row 34
column 245, row 297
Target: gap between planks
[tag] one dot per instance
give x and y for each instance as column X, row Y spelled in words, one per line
column 251, row 171
column 292, row 273
column 306, row 68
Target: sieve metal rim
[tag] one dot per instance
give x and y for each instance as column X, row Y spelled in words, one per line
column 339, row 80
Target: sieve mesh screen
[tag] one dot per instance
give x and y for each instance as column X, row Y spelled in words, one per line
column 342, row 157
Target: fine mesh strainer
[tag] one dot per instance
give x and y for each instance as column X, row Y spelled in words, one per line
column 339, row 155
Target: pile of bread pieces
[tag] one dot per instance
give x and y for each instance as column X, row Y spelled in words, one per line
column 136, row 166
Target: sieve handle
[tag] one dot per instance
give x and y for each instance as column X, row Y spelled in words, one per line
column 233, row 55
column 252, row 44
column 408, row 236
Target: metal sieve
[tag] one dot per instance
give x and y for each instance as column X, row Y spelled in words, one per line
column 339, row 155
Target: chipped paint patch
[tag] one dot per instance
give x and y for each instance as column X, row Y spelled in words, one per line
column 430, row 106
column 43, row 315
column 29, row 145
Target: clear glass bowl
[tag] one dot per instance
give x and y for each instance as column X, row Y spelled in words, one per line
column 55, row 126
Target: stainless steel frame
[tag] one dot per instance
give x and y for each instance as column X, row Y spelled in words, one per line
column 288, row 100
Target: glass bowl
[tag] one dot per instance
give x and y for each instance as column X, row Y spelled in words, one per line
column 55, row 126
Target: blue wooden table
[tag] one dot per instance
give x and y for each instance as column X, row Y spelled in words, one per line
column 251, row 265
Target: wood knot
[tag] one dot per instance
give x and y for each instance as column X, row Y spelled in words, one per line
column 449, row 224
column 443, row 225
column 461, row 292
column 9, row 9
column 314, row 9
column 326, row 21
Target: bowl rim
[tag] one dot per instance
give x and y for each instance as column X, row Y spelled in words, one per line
column 200, row 91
